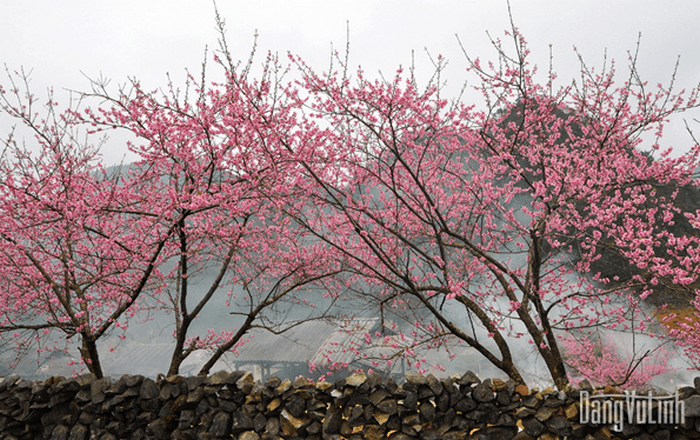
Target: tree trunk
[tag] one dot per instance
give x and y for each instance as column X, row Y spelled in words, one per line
column 175, row 361
column 227, row 346
column 557, row 370
column 89, row 354
column 185, row 318
column 179, row 354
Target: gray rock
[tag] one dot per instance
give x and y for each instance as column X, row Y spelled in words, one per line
column 60, row 432
column 465, row 405
column 411, row 401
column 333, row 420
column 177, row 435
column 220, row 425
column 97, row 389
column 296, row 406
column 273, row 382
column 468, row 379
column 389, row 406
column 662, row 434
column 169, row 390
column 59, row 398
column 533, row 427
column 390, row 384
column 448, row 385
column 378, row 395
column 427, row 412
column 443, row 402
column 273, row 426
column 79, row 432
column 685, row 392
column 84, row 380
column 145, row 418
column 301, row 382
column 429, row 434
column 249, row 435
column 174, row 379
column 506, row 419
column 246, row 383
column 117, row 387
column 86, row 418
column 453, row 435
column 533, row 402
column 495, row 433
column 233, row 405
column 187, row 419
column 503, row 397
column 585, row 385
column 241, row 422
column 132, row 381
column 483, row 392
column 559, row 425
column 357, row 416
column 149, row 389
column 484, row 413
column 259, row 422
column 374, row 380
column 545, row 412
column 630, row 429
column 196, row 395
column 114, row 426
column 692, row 406
column 402, row 436
column 64, row 385
column 356, row 379
column 415, row 379
column 218, row 378
column 425, row 392
column 192, row 383
column 83, row 395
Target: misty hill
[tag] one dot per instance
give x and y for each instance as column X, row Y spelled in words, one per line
column 612, row 265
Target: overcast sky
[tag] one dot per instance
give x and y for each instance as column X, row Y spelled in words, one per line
column 62, row 40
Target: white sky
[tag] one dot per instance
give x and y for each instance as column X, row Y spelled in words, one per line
column 58, row 40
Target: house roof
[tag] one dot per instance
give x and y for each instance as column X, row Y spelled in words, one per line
column 298, row 344
column 134, row 358
column 345, row 342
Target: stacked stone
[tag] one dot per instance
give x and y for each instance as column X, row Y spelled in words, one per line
column 359, row 407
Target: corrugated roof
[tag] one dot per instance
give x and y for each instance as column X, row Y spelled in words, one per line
column 344, row 342
column 134, row 358
column 298, row 344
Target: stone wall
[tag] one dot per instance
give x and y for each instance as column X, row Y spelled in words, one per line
column 233, row 405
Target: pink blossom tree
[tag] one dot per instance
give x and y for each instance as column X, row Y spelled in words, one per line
column 72, row 262
column 205, row 197
column 603, row 362
column 488, row 218
column 209, row 170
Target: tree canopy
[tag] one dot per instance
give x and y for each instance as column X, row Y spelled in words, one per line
column 492, row 224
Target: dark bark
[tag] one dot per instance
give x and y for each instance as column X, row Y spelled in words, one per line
column 90, row 356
